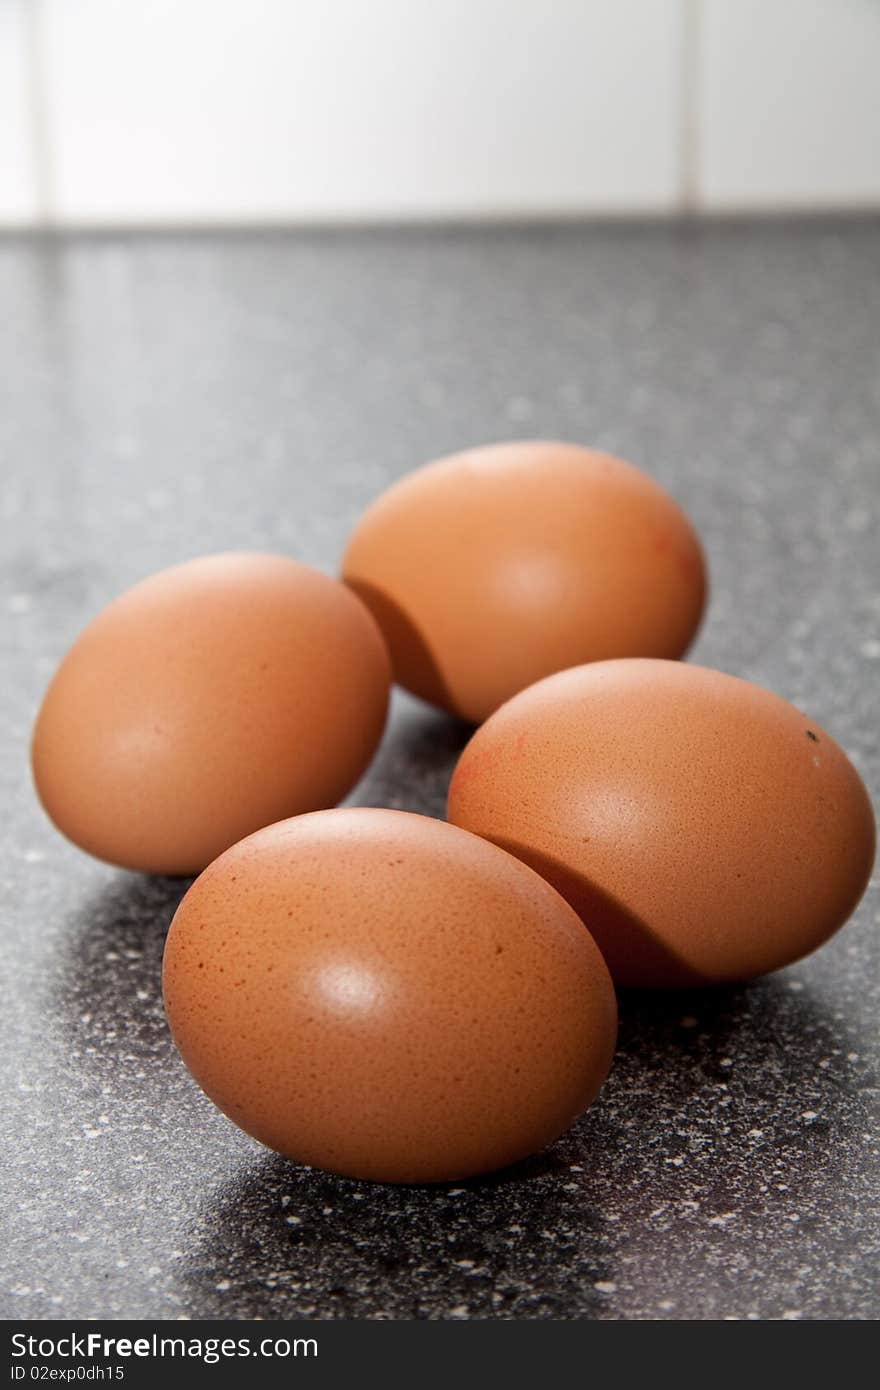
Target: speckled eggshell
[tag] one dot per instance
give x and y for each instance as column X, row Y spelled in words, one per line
column 495, row 567
column 704, row 828
column 211, row 699
column 388, row 997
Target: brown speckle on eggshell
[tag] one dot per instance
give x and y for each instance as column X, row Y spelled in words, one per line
column 704, row 828
column 386, row 996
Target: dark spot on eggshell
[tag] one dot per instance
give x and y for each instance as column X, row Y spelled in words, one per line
column 663, row 803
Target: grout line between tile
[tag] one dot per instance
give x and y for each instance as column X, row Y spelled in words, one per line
column 690, row 107
column 38, row 113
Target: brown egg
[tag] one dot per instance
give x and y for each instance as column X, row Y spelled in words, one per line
column 385, row 996
column 209, row 700
column 704, row 829
column 492, row 568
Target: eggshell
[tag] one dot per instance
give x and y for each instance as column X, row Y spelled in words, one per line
column 383, row 995
column 492, row 568
column 704, row 828
column 213, row 698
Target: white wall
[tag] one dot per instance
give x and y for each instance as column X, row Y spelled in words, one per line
column 19, row 199
column 169, row 111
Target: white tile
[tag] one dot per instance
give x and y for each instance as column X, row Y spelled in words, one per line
column 18, row 180
column 249, row 109
column 790, row 101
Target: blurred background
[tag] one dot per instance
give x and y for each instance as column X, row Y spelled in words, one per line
column 169, row 392
column 114, row 112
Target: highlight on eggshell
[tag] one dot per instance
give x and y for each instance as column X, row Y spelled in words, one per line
column 492, row 568
column 386, row 996
column 705, row 830
column 213, row 698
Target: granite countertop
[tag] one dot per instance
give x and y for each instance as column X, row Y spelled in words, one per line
column 164, row 396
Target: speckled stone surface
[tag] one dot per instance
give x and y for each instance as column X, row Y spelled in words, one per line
column 162, row 397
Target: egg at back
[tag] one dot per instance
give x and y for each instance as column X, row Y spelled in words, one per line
column 492, row 568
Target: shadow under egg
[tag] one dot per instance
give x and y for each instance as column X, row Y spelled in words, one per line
column 107, row 980
column 284, row 1241
column 415, row 666
column 415, row 761
column 700, row 1111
